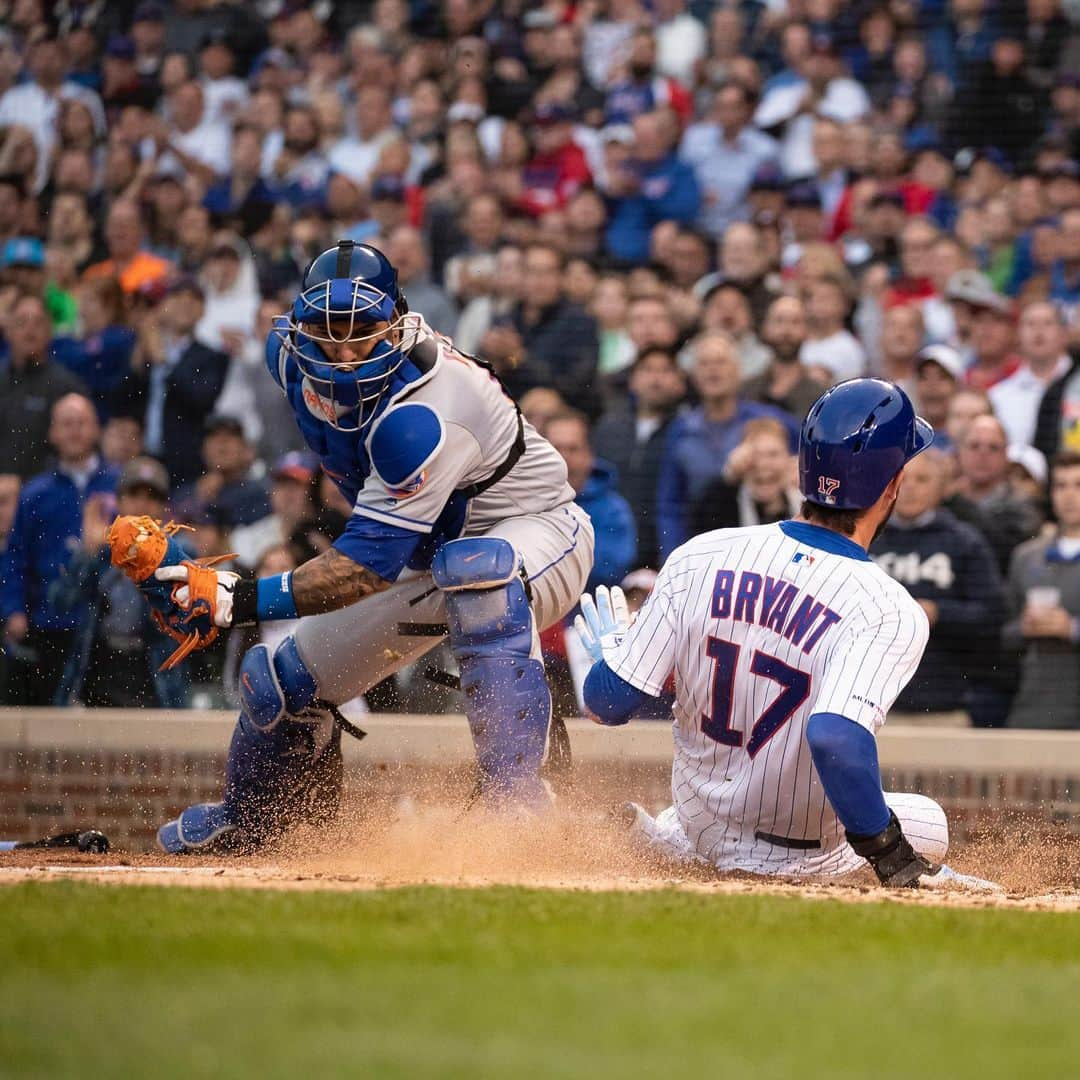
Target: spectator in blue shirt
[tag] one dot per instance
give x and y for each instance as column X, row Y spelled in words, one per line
column 101, row 353
column 47, row 529
column 700, row 440
column 594, row 482
column 653, row 186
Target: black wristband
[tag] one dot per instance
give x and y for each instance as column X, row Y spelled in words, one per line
column 892, row 857
column 245, row 602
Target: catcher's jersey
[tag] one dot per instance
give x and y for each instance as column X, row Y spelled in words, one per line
column 443, row 427
column 764, row 627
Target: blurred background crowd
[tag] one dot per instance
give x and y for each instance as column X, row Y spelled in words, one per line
column 667, row 224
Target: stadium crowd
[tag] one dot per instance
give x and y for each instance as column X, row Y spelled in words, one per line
column 667, row 225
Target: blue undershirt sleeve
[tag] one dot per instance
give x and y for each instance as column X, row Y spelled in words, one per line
column 845, row 756
column 611, row 699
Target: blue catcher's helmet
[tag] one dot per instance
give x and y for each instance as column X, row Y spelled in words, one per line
column 349, row 332
column 351, row 260
column 856, row 437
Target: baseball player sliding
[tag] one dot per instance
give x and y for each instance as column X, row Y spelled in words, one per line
column 463, row 525
column 788, row 646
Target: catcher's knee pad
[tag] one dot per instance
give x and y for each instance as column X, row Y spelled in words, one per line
column 274, row 687
column 491, row 633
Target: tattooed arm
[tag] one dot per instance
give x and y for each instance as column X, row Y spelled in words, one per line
column 331, row 581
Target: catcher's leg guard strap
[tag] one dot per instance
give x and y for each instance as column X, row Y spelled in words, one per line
column 273, row 688
column 491, row 633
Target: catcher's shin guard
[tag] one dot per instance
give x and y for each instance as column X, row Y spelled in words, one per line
column 284, row 765
column 491, row 633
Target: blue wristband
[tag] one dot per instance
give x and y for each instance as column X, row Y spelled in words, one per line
column 274, row 598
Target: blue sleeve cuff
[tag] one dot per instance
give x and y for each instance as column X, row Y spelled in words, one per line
column 845, row 756
column 384, row 549
column 610, row 698
column 274, row 598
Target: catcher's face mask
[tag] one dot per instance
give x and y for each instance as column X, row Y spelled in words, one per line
column 361, row 341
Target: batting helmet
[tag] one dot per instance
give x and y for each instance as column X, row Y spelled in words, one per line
column 856, row 437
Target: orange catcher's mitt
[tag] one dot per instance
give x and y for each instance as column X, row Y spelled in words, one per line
column 140, row 547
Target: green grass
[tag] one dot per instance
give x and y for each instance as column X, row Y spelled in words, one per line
column 107, row 981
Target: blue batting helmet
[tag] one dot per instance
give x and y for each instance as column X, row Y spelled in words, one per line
column 856, row 437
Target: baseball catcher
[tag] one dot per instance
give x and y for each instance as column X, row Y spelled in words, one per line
column 463, row 526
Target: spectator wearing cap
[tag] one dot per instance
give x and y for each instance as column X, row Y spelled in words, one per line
column 803, row 216
column 786, row 383
column 48, row 525
column 22, row 264
column 1042, row 339
column 993, row 340
column 726, row 151
column 950, row 571
column 654, row 186
column 100, row 354
column 983, row 486
column 117, row 651
column 641, row 89
column 406, row 249
column 177, row 379
column 700, row 440
column 632, row 434
column 148, row 35
column 939, row 372
column 373, row 125
column 1044, row 602
column 787, row 111
column 30, row 384
column 594, row 484
column 290, row 506
column 558, row 167
column 128, row 260
column 233, row 483
column 122, row 86
column 545, row 340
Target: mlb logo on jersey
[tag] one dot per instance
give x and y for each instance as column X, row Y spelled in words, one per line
column 803, row 557
column 826, row 487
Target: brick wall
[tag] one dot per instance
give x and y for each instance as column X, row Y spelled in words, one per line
column 127, row 772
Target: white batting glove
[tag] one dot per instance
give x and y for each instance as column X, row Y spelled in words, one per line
column 601, row 625
column 223, row 593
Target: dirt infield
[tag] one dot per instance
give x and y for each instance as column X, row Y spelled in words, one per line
column 390, row 847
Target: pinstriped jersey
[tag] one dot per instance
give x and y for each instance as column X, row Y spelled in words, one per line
column 762, row 627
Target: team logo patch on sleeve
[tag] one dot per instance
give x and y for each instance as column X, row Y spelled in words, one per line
column 411, row 488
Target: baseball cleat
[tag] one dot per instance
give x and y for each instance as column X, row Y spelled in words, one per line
column 203, row 827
